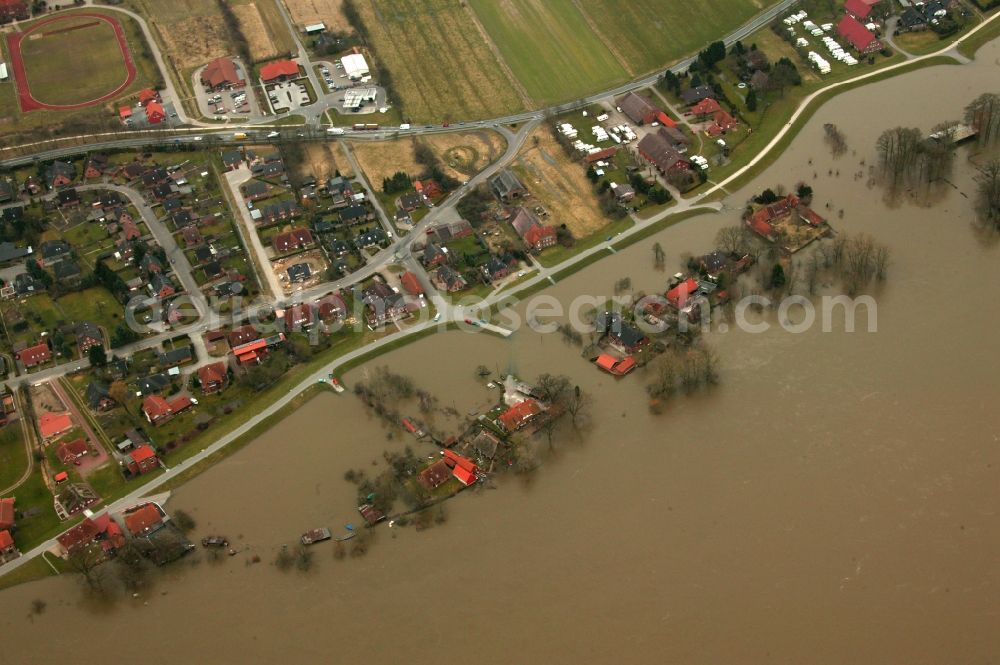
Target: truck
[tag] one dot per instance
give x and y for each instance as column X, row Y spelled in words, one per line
column 239, row 136
column 334, row 130
column 404, row 126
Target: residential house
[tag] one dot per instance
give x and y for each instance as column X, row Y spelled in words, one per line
column 861, row 38
column 507, row 187
column 182, row 219
column 35, row 355
column 434, row 475
column 213, row 378
column 337, row 247
column 10, row 252
column 143, row 520
column 298, row 317
column 220, row 74
column 339, row 188
column 411, row 284
column 59, row 174
column 859, row 9
column 98, row 396
column 498, row 267
column 159, row 410
column 680, row 295
column 638, row 108
column 161, row 286
column 355, row 214
column 70, row 451
column 277, row 212
column 722, row 122
column 95, row 166
column 130, row 230
column 232, row 159
column 68, row 197
column 382, row 304
column 203, row 255
column 331, row 307
column 243, row 335
column 68, row 273
column 152, row 384
column 714, row 263
column 433, row 255
column 519, row 415
column 445, row 233
column 298, row 273
column 7, row 191
column 619, row 333
column 88, row 336
column 706, row 107
column 279, row 70
column 255, row 189
column 175, row 357
column 411, row 201
column 429, row 189
column 911, row 20
column 155, row 113
column 8, row 549
column 692, row 96
column 449, row 279
column 150, row 265
column 623, row 193
column 293, row 240
column 100, row 531
column 370, row 238
column 26, row 285
column 192, row 236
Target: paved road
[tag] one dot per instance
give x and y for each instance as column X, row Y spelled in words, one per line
column 234, row 179
column 27, row 433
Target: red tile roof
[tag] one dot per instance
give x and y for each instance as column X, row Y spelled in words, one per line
column 294, row 239
column 434, row 475
column 155, row 407
column 536, row 236
column 212, row 375
column 665, row 119
column 464, row 476
column 34, row 355
column 5, row 540
column 67, row 452
column 410, row 282
column 143, row 453
column 147, row 95
column 606, row 361
column 517, row 415
column 678, row 296
column 860, row 37
column 51, row 424
column 331, row 306
column 142, row 519
column 155, row 112
column 80, row 535
column 607, row 153
column 7, row 512
column 707, row 106
column 277, row 69
column 859, row 8
column 219, row 72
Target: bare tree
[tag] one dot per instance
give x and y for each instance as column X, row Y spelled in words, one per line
column 983, row 113
column 86, row 561
column 659, row 256
column 733, row 239
column 988, row 195
column 578, row 405
column 835, row 139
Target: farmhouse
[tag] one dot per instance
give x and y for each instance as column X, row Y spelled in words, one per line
column 534, row 235
column 355, row 66
column 860, row 37
column 619, row 334
column 279, row 70
column 859, row 9
column 220, row 74
column 507, row 186
column 659, row 152
column 518, row 415
column 638, row 109
column 143, row 520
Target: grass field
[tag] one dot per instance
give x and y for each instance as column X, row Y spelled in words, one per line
column 441, row 66
column 560, row 185
column 328, row 12
column 192, row 31
column 550, row 48
column 265, row 29
column 650, row 34
column 13, row 456
column 87, row 53
column 462, row 154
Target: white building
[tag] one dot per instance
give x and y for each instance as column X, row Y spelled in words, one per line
column 357, row 97
column 355, row 66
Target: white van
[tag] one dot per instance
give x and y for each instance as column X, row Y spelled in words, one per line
column 334, row 130
column 404, row 126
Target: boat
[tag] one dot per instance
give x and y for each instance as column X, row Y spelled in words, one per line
column 371, row 514
column 214, row 541
column 315, row 536
column 335, row 384
column 346, row 536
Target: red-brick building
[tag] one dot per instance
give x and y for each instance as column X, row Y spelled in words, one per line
column 213, row 378
column 142, row 460
column 35, row 355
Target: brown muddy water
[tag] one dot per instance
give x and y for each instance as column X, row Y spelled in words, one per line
column 834, row 500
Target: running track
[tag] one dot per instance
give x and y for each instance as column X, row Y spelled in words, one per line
column 27, row 101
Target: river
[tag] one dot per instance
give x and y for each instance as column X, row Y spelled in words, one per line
column 834, row 500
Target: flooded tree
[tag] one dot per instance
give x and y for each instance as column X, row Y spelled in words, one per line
column 86, row 561
column 897, row 151
column 303, row 558
column 184, row 521
column 577, row 405
column 285, row 559
column 988, row 196
column 908, row 161
column 835, row 139
column 659, row 256
column 681, row 370
column 983, row 113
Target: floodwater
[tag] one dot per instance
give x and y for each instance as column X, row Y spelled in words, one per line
column 834, row 500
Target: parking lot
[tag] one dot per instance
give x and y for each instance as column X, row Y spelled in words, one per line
column 288, row 96
column 236, row 103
